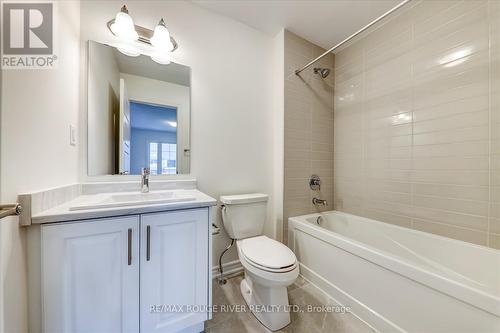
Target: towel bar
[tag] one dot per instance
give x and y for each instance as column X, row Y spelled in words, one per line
column 10, row 209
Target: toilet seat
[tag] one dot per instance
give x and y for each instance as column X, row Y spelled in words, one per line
column 267, row 269
column 267, row 254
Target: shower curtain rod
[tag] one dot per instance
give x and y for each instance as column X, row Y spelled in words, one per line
column 297, row 72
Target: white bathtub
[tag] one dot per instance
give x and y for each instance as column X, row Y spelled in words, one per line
column 398, row 279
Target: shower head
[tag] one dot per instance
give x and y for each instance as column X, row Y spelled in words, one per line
column 324, row 72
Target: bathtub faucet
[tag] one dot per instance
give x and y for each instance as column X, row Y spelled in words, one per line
column 317, row 202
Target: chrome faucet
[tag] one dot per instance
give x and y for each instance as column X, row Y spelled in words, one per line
column 145, row 180
column 317, row 202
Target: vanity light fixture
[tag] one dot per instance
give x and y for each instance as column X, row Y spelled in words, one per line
column 131, row 36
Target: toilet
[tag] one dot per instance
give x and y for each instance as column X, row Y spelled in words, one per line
column 270, row 266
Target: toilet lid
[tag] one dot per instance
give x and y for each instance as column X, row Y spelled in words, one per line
column 267, row 252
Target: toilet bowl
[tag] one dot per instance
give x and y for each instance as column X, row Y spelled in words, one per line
column 267, row 276
column 270, row 266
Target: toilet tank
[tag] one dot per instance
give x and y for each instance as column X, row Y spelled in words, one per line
column 244, row 215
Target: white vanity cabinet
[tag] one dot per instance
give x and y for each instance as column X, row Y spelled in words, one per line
column 173, row 270
column 141, row 273
column 90, row 276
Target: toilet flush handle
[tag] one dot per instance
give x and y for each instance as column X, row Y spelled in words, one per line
column 222, row 209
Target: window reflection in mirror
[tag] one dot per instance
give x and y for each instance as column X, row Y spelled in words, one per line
column 138, row 114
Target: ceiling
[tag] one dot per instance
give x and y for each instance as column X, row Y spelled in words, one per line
column 145, row 67
column 323, row 22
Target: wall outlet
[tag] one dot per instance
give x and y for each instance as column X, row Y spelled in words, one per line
column 72, row 135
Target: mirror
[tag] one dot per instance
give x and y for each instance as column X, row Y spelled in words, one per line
column 138, row 114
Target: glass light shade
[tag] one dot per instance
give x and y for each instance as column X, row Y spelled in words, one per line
column 129, row 50
column 123, row 27
column 161, row 37
column 161, row 58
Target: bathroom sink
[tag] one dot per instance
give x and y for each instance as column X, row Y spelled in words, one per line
column 134, row 197
column 111, row 200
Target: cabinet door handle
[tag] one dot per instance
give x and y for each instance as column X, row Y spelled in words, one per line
column 130, row 246
column 148, row 243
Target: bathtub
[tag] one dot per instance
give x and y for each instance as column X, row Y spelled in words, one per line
column 397, row 279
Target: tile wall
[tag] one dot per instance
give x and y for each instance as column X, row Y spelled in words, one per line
column 308, row 129
column 417, row 121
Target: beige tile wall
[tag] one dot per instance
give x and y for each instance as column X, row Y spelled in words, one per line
column 417, row 121
column 308, row 128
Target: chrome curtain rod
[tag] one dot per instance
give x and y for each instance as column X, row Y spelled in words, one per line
column 297, row 72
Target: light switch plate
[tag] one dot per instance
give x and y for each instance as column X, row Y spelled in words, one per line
column 72, row 135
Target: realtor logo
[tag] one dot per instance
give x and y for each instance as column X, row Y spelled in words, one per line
column 28, row 38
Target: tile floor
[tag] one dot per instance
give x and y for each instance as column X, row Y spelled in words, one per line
column 301, row 293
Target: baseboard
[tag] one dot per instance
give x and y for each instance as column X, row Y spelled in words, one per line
column 373, row 319
column 230, row 268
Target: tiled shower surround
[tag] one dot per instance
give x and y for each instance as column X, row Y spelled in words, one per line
column 417, row 121
column 308, row 128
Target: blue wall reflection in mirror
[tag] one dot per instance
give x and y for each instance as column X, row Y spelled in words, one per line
column 153, row 138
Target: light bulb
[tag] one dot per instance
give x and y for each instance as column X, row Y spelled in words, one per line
column 161, row 37
column 123, row 27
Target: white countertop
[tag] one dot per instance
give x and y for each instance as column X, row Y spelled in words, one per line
column 64, row 211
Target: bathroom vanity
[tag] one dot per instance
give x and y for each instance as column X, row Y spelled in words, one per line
column 104, row 263
column 104, row 257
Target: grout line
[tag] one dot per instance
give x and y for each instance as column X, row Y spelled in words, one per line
column 412, row 149
column 363, row 127
column 443, row 117
column 350, row 179
column 444, row 11
column 452, row 226
column 431, row 196
column 432, row 208
column 490, row 138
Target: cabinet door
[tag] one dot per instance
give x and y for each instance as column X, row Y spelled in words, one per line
column 174, row 270
column 90, row 276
